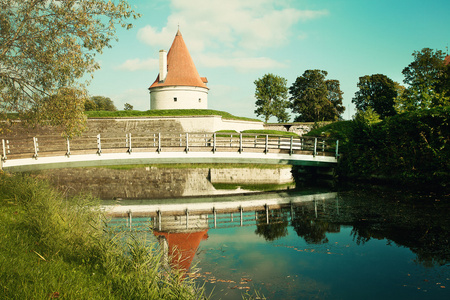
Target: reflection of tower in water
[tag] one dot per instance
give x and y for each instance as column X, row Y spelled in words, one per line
column 179, row 238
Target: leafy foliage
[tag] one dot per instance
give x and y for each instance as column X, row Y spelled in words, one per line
column 271, row 94
column 316, row 99
column 428, row 80
column 100, row 103
column 410, row 148
column 127, row 106
column 65, row 110
column 378, row 92
column 49, row 45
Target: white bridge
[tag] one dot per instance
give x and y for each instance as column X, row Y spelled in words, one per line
column 48, row 152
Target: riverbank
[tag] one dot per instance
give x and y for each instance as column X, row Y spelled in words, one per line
column 410, row 149
column 52, row 247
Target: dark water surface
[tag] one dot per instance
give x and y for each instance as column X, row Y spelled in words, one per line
column 361, row 245
column 371, row 244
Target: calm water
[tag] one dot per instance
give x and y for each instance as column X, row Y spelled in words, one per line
column 355, row 245
column 361, row 243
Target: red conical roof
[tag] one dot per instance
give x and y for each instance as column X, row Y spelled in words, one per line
column 180, row 67
column 447, row 60
column 183, row 246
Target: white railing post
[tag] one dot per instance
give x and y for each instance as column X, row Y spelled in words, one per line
column 99, row 145
column 337, row 148
column 159, row 142
column 4, row 149
column 68, row 147
column 159, row 220
column 291, row 144
column 214, row 143
column 315, row 147
column 128, row 143
column 187, row 142
column 242, row 217
column 130, row 217
column 36, row 147
column 266, row 149
column 240, row 143
column 181, row 140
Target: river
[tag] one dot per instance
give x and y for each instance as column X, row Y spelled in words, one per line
column 359, row 243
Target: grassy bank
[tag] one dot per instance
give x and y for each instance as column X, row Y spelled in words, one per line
column 165, row 113
column 56, row 248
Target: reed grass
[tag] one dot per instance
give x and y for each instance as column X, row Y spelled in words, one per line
column 53, row 247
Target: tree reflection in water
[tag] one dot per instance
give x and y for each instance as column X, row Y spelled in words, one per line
column 416, row 223
column 275, row 228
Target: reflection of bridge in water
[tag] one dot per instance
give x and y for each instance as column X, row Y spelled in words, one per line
column 180, row 227
column 47, row 152
column 202, row 213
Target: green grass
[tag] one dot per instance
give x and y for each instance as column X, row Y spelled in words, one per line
column 271, row 132
column 196, row 166
column 51, row 247
column 253, row 187
column 165, row 113
column 338, row 130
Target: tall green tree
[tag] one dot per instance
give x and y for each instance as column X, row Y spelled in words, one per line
column 333, row 112
column 427, row 80
column 316, row 99
column 271, row 97
column 377, row 92
column 46, row 46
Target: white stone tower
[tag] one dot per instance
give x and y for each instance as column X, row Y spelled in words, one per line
column 178, row 85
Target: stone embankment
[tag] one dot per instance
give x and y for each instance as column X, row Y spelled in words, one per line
column 251, row 176
column 297, row 128
column 152, row 182
column 145, row 126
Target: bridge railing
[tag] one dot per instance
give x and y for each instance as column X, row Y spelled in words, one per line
column 170, row 142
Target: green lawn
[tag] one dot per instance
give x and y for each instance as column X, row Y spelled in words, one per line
column 165, row 113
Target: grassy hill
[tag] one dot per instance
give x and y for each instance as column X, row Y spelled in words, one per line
column 165, row 113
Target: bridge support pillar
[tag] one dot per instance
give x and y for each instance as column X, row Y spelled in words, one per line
column 306, row 175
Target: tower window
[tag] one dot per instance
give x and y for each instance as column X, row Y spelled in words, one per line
column 199, row 100
column 175, row 99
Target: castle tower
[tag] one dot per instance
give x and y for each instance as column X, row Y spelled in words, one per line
column 178, row 85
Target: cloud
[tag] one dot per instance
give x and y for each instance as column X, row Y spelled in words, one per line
column 138, row 64
column 231, row 33
column 231, row 24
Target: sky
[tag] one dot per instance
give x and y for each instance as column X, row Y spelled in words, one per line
column 235, row 42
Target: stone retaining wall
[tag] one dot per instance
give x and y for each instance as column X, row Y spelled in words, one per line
column 298, row 128
column 251, row 176
column 153, row 182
